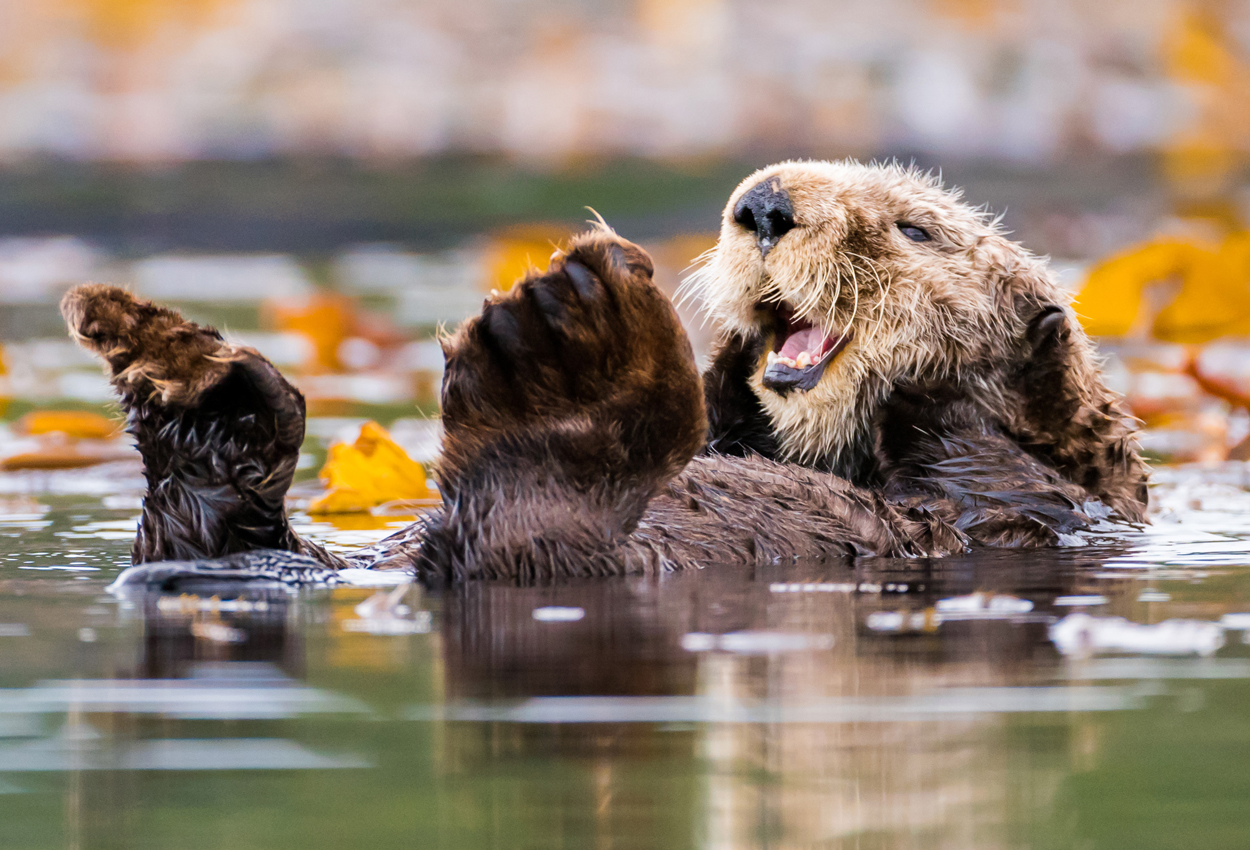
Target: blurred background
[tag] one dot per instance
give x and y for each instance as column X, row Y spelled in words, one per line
column 329, row 180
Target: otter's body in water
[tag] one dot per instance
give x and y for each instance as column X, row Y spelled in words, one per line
column 893, row 377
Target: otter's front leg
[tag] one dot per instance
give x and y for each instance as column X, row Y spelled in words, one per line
column 738, row 425
column 218, row 427
column 567, row 404
column 940, row 454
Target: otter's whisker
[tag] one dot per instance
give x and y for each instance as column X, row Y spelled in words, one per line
column 812, row 299
column 883, row 287
column 855, row 290
column 853, row 267
column 837, row 292
column 693, row 291
column 698, row 277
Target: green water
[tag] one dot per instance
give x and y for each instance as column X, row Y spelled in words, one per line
column 848, row 706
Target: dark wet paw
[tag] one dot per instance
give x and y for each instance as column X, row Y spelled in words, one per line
column 1045, row 375
column 151, row 352
column 562, row 338
column 591, row 345
column 159, row 361
column 1047, row 330
column 218, row 427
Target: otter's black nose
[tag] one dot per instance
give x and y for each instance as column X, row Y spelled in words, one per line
column 767, row 212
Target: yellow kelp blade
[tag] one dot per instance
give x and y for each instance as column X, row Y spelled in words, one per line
column 4, row 384
column 517, row 251
column 325, row 320
column 1214, row 300
column 370, row 472
column 74, row 423
column 1110, row 301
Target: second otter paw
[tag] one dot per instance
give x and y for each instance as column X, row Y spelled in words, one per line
column 150, row 351
column 588, row 357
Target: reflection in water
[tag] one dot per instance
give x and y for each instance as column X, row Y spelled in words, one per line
column 811, row 727
column 1016, row 699
column 184, row 633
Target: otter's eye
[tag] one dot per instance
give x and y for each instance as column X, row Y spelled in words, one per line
column 914, row 233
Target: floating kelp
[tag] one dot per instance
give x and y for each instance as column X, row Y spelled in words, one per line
column 372, row 471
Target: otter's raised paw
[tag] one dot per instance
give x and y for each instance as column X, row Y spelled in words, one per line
column 586, row 364
column 158, row 361
column 218, row 427
column 150, row 351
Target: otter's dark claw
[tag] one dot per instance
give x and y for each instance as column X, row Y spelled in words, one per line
column 584, row 281
column 550, row 305
column 1046, row 327
column 503, row 328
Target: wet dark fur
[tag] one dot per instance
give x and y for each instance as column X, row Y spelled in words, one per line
column 219, row 429
column 581, row 440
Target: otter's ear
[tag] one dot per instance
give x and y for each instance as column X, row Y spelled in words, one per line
column 1048, row 329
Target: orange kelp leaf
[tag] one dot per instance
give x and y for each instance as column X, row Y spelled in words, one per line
column 1223, row 390
column 63, row 457
column 4, row 384
column 370, row 472
column 1214, row 300
column 1197, row 51
column 326, row 320
column 515, row 252
column 73, row 423
column 1109, row 302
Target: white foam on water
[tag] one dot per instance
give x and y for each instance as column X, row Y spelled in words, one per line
column 357, row 577
column 759, row 642
column 1084, row 635
column 933, row 706
column 558, row 614
column 1089, row 599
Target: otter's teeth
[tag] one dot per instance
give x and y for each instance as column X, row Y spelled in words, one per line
column 772, row 357
column 804, row 360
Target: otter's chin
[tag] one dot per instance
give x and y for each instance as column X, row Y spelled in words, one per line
column 800, row 354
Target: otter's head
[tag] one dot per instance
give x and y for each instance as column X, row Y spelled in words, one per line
column 860, row 278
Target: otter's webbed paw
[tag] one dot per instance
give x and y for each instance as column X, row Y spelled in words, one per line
column 218, row 427
column 587, row 363
column 738, row 425
column 566, row 404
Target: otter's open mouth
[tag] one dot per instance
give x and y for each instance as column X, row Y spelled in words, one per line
column 801, row 351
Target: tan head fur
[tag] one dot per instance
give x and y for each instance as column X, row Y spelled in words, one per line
column 937, row 309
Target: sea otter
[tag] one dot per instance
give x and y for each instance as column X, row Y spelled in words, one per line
column 893, row 377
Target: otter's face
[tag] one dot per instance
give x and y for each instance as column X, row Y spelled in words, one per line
column 858, row 277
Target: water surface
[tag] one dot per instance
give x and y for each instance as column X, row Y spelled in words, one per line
column 980, row 701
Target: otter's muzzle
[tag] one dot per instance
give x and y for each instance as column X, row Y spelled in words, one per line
column 766, row 211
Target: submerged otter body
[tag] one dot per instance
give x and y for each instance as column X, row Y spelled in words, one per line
column 893, row 377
